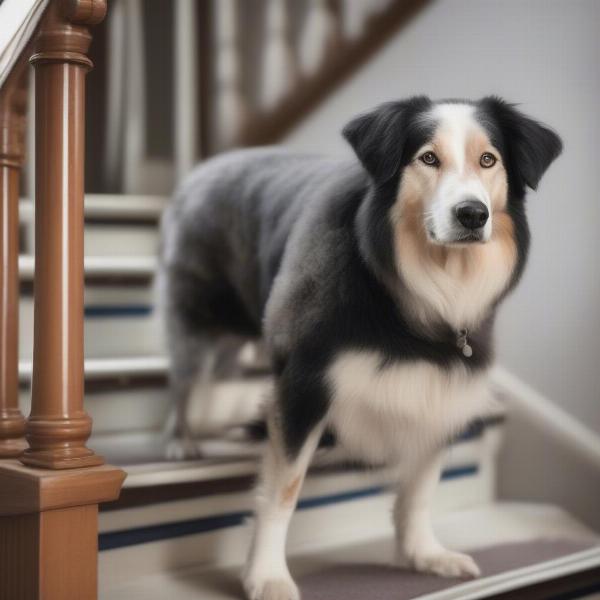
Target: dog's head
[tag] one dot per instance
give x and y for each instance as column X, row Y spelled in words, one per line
column 455, row 163
column 446, row 201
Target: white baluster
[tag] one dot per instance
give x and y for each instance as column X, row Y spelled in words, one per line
column 320, row 30
column 230, row 106
column 355, row 13
column 135, row 100
column 116, row 49
column 279, row 66
column 186, row 86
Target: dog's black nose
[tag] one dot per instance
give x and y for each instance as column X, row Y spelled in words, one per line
column 473, row 214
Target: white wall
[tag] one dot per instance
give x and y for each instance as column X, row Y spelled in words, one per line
column 543, row 54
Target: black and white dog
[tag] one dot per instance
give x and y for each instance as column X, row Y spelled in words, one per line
column 374, row 284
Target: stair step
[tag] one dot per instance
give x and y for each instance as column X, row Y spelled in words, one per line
column 129, row 394
column 337, row 506
column 121, row 395
column 97, row 369
column 516, row 544
column 117, row 207
column 120, row 315
column 103, row 269
column 114, row 224
column 175, row 514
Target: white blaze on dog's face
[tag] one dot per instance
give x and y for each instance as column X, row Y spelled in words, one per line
column 454, row 242
column 457, row 180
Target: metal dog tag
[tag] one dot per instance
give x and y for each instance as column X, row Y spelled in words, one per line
column 461, row 342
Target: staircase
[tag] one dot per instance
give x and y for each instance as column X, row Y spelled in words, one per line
column 180, row 528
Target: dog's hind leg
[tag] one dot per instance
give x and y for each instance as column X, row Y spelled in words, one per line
column 266, row 575
column 190, row 348
column 416, row 544
column 192, row 361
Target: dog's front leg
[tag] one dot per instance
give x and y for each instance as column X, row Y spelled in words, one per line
column 266, row 576
column 416, row 544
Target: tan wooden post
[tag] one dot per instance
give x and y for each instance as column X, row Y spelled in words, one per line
column 58, row 426
column 49, row 498
column 13, row 102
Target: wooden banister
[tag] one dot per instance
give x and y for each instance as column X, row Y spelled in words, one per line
column 58, row 426
column 13, row 101
column 49, row 497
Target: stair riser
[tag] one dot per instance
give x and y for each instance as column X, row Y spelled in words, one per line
column 119, row 321
column 119, row 408
column 115, row 225
column 110, row 239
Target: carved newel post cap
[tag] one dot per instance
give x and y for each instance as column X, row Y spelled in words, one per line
column 84, row 12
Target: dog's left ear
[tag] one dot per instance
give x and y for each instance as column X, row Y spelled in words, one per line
column 379, row 136
column 531, row 145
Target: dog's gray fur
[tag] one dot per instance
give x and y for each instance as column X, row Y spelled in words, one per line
column 232, row 221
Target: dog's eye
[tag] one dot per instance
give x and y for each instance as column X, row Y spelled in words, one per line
column 429, row 158
column 487, row 160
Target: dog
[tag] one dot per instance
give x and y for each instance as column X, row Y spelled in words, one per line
column 374, row 284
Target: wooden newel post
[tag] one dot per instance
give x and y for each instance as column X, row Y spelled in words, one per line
column 58, row 426
column 13, row 102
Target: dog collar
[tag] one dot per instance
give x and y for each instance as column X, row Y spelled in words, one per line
column 463, row 344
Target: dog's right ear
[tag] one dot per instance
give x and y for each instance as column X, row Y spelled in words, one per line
column 379, row 136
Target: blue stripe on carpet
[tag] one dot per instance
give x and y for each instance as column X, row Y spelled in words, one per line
column 154, row 533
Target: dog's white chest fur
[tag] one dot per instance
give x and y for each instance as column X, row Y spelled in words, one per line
column 385, row 413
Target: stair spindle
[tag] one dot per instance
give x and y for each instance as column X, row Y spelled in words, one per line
column 279, row 66
column 186, row 86
column 58, row 426
column 134, row 125
column 13, row 102
column 355, row 13
column 230, row 106
column 115, row 94
column 320, row 36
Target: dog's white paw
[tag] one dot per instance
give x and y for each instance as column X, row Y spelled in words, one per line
column 445, row 563
column 277, row 588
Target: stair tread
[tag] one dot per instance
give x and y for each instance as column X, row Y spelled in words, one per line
column 99, row 368
column 516, row 544
column 101, row 266
column 112, row 206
